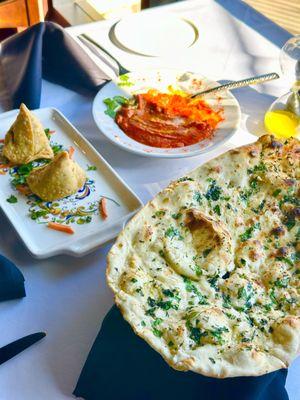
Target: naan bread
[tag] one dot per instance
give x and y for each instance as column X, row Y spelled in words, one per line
column 26, row 139
column 58, row 179
column 208, row 272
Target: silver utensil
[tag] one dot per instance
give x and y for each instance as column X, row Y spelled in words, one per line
column 91, row 44
column 238, row 84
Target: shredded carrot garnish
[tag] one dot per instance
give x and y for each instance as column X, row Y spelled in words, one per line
column 103, row 208
column 71, row 151
column 2, row 166
column 23, row 189
column 181, row 105
column 60, row 227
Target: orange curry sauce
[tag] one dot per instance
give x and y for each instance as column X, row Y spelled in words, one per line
column 168, row 120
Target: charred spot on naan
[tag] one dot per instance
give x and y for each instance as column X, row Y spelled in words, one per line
column 204, row 248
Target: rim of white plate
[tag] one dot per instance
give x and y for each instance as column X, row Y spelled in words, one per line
column 111, row 130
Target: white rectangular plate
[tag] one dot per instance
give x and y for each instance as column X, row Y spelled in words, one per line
column 43, row 242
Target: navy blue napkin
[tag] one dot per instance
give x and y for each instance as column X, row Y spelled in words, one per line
column 122, row 366
column 46, row 51
column 11, row 281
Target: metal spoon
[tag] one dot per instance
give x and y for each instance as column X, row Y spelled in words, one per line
column 91, row 44
column 238, row 84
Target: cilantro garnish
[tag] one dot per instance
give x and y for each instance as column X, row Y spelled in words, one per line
column 172, row 233
column 281, row 283
column 286, row 260
column 246, row 293
column 176, row 216
column 254, row 184
column 12, row 199
column 289, row 199
column 185, row 178
column 213, row 281
column 261, row 167
column 276, row 192
column 84, row 220
column 157, row 321
column 196, row 334
column 198, row 270
column 248, row 233
column 190, row 287
column 213, row 192
column 37, row 214
column 206, row 252
column 160, row 213
column 157, row 332
column 217, row 210
column 246, row 194
column 21, row 173
column 273, row 297
column 197, row 197
column 56, row 148
column 162, row 304
column 290, row 221
column 168, row 293
column 166, row 305
column 47, row 132
column 112, row 104
column 124, row 81
column 91, row 168
column 217, row 333
column 226, row 301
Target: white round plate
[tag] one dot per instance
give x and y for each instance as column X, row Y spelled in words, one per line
column 155, row 36
column 142, row 81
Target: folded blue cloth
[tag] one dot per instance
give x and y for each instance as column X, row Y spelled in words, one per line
column 122, row 366
column 11, row 281
column 46, row 51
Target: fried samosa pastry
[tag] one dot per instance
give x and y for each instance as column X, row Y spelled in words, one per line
column 26, row 140
column 58, row 179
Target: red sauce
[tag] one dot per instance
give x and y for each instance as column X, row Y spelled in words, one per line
column 168, row 120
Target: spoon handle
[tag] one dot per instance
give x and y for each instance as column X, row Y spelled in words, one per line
column 86, row 38
column 238, row 84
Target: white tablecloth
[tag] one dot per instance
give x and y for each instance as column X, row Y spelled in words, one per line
column 68, row 297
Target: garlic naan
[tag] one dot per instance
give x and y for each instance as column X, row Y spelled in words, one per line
column 208, row 272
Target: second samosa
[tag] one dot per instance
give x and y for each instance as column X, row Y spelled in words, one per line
column 58, row 179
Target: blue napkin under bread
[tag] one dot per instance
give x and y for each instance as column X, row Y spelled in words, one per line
column 122, row 366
